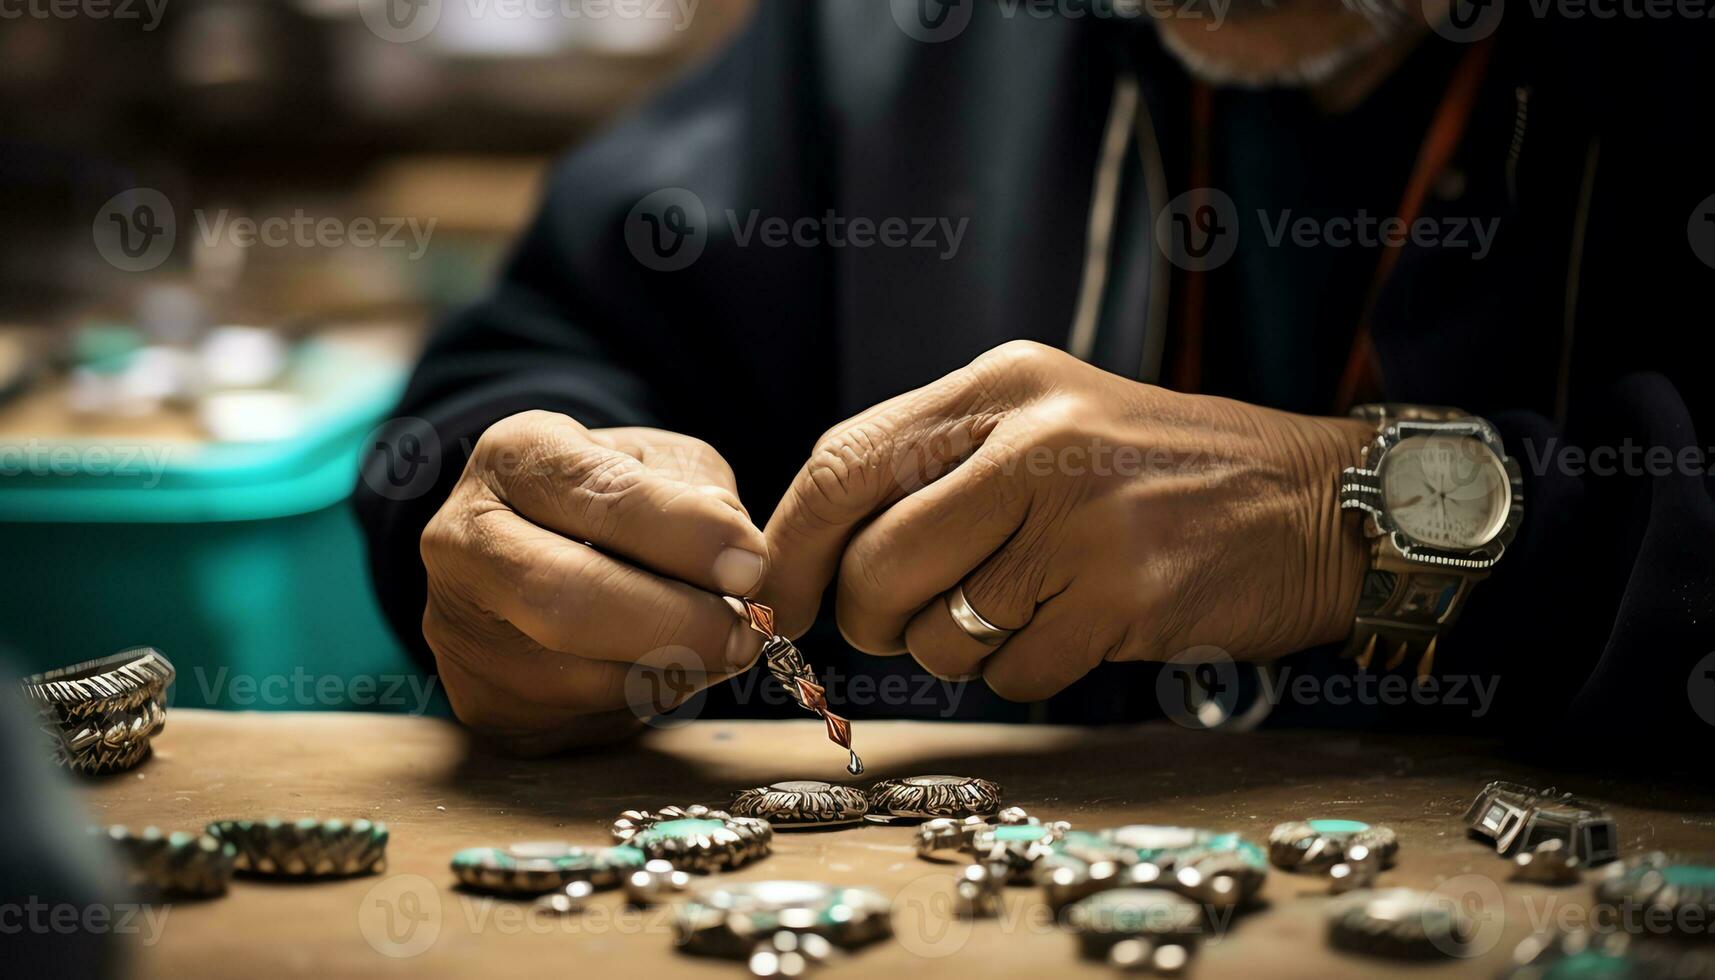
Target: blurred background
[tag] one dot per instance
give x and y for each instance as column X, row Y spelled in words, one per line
column 229, row 224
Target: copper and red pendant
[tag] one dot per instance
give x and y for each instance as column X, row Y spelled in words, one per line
column 789, row 667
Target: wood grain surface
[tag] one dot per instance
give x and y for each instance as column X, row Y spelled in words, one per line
column 438, row 794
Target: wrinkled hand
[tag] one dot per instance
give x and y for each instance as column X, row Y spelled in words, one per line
column 575, row 576
column 1101, row 518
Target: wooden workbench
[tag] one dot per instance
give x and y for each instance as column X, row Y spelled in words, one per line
column 438, row 795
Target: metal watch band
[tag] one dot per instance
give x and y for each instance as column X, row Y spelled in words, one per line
column 1403, row 609
column 1411, row 595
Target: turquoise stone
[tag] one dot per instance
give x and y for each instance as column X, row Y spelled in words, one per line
column 1689, row 875
column 1019, row 832
column 1590, row 965
column 1338, row 826
column 624, row 856
column 686, row 828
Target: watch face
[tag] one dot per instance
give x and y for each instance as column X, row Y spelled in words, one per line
column 1446, row 491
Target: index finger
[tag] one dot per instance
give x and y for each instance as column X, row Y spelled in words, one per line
column 859, row 468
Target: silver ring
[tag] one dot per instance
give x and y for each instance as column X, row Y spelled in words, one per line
column 971, row 622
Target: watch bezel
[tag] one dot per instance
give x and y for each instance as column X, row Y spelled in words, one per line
column 1361, row 489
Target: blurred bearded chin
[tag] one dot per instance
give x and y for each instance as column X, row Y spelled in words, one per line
column 1381, row 21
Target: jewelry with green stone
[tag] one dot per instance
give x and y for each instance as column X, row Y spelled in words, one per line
column 305, row 848
column 1654, row 888
column 175, row 865
column 1319, row 844
column 539, row 867
column 1221, row 870
column 1114, row 921
column 695, row 838
column 1012, row 838
column 729, row 921
column 1580, row 954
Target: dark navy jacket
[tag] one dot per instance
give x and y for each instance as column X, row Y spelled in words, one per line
column 1586, row 325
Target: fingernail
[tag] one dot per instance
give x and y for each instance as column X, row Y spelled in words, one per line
column 737, row 571
column 743, row 646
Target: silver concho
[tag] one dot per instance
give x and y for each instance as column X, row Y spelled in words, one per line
column 695, row 838
column 801, row 803
column 926, row 797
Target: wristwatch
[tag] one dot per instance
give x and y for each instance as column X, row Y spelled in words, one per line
column 1444, row 501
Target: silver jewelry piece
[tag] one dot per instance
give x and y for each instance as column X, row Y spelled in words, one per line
column 1517, row 818
column 565, row 901
column 788, row 954
column 1551, row 863
column 695, row 838
column 1317, row 845
column 306, row 848
column 977, row 893
column 175, row 865
column 655, row 883
column 802, row 803
column 729, row 921
column 1219, row 870
column 971, row 623
column 536, row 867
column 102, row 714
column 927, row 797
column 1357, row 870
column 1400, row 923
column 1158, row 917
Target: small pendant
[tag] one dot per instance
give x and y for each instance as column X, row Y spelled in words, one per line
column 788, row 666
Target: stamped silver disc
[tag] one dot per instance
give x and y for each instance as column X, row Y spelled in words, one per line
column 927, row 797
column 802, row 803
column 726, row 921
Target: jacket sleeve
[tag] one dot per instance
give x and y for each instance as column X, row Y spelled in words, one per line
column 610, row 308
column 1608, row 611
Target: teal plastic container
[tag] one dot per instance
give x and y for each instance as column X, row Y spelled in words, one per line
column 241, row 562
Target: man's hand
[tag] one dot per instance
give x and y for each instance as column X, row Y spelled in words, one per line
column 575, row 579
column 1101, row 518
